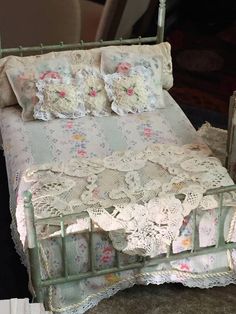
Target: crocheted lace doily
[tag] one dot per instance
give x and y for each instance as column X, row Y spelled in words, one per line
column 215, row 138
column 93, row 92
column 140, row 187
column 57, row 98
column 134, row 92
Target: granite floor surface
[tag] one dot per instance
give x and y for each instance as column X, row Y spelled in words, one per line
column 170, row 299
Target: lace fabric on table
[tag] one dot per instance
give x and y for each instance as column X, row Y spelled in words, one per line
column 141, row 188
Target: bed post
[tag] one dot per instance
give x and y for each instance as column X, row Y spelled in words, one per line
column 161, row 21
column 33, row 246
column 231, row 149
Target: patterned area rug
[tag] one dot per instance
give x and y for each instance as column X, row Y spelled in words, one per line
column 169, row 299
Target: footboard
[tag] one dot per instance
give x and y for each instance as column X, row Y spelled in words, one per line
column 147, row 263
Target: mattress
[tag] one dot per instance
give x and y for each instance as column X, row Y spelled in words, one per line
column 33, row 143
column 37, row 142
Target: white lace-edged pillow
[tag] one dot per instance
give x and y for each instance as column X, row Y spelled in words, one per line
column 124, row 62
column 93, row 92
column 58, row 99
column 133, row 92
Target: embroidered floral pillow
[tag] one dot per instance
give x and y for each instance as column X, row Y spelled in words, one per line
column 23, row 81
column 57, row 100
column 133, row 92
column 93, row 92
column 124, row 62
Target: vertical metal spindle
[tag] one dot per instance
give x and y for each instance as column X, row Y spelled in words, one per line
column 144, row 261
column 169, row 250
column 41, row 50
column 21, row 51
column 62, row 45
column 220, row 226
column 118, row 259
column 231, row 135
column 161, row 20
column 195, row 233
column 63, row 247
column 91, row 247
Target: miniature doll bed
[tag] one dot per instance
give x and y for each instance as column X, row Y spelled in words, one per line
column 72, row 261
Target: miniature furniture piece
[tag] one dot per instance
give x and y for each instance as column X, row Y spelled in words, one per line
column 75, row 256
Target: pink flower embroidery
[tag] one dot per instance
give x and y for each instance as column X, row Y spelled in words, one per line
column 184, row 266
column 185, row 221
column 69, row 125
column 130, row 91
column 148, row 132
column 81, row 153
column 93, row 93
column 50, row 74
column 96, row 193
column 62, row 94
column 123, row 67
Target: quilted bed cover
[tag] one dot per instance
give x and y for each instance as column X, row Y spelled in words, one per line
column 36, row 143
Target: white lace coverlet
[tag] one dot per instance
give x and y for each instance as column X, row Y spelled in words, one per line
column 138, row 188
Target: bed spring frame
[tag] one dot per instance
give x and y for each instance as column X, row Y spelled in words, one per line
column 144, row 263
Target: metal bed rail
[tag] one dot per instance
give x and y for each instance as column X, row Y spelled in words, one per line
column 142, row 263
column 40, row 49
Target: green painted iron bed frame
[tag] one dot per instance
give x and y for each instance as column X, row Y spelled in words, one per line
column 143, row 262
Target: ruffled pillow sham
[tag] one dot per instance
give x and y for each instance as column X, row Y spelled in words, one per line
column 89, row 57
column 133, row 91
column 93, row 93
column 75, row 92
column 58, row 100
column 84, row 95
column 23, row 81
column 124, row 62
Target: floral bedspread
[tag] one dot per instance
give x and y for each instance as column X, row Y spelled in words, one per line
column 37, row 143
column 140, row 187
column 151, row 178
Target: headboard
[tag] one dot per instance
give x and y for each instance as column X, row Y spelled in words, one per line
column 41, row 48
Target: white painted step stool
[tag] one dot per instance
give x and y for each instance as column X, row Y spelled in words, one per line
column 21, row 306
